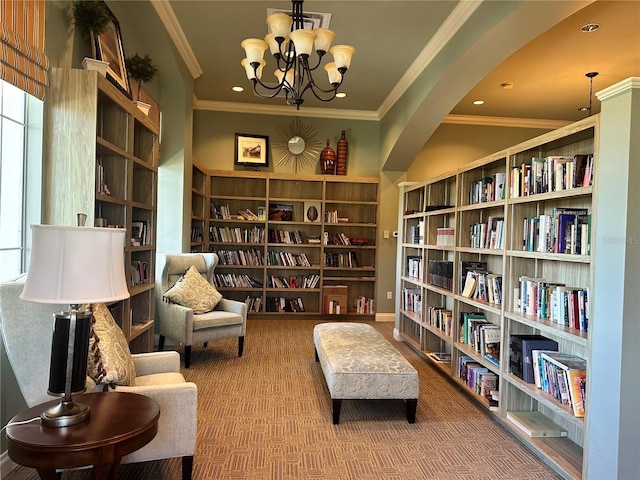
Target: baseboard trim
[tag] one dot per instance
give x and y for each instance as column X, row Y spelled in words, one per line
column 385, row 317
column 397, row 336
column 6, row 464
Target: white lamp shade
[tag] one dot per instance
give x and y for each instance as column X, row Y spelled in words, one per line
column 279, row 24
column 342, row 55
column 332, row 71
column 324, row 37
column 249, row 69
column 303, row 41
column 254, row 48
column 288, row 79
column 76, row 265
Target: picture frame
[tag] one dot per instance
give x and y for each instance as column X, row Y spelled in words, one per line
column 281, row 212
column 252, row 150
column 107, row 47
column 312, row 212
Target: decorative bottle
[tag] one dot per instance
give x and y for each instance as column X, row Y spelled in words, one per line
column 327, row 160
column 343, row 153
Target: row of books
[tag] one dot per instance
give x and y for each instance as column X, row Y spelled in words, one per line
column 281, row 304
column 479, row 379
column 440, row 318
column 484, row 286
column 235, row 280
column 196, row 234
column 236, row 235
column 551, row 174
column 563, row 376
column 441, row 273
column 341, row 260
column 101, row 185
column 414, row 267
column 412, row 300
column 488, row 235
column 482, row 335
column 254, row 304
column 446, row 237
column 139, row 272
column 140, row 233
column 365, row 305
column 556, row 302
column 293, row 281
column 240, row 257
column 487, row 189
column 287, row 259
column 331, row 216
column 416, row 233
column 336, row 239
column 564, row 231
column 222, row 212
column 286, row 236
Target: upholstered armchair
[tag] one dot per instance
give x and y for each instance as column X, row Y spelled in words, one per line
column 27, row 330
column 184, row 325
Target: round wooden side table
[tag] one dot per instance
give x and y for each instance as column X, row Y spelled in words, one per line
column 119, row 424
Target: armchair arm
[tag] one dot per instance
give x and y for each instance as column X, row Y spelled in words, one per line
column 156, row 362
column 175, row 322
column 177, row 427
column 233, row 306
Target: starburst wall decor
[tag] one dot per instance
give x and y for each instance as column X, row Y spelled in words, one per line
column 296, row 145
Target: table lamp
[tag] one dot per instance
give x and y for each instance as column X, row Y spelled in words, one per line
column 74, row 265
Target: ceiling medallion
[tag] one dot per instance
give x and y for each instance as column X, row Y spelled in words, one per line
column 296, row 144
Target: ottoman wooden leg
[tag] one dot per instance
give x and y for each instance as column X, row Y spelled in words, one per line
column 336, row 410
column 412, row 404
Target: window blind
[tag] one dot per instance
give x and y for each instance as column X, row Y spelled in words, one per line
column 23, row 61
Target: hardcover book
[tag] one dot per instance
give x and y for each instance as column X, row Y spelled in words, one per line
column 535, row 424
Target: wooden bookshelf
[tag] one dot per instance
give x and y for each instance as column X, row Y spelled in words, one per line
column 101, row 158
column 456, row 201
column 277, row 250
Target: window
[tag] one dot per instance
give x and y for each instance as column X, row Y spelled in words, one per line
column 12, row 180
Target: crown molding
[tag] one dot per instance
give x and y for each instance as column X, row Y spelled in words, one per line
column 455, row 20
column 618, row 88
column 481, row 120
column 171, row 24
column 284, row 110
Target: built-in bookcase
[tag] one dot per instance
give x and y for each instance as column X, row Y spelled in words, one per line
column 494, row 209
column 283, row 239
column 101, row 158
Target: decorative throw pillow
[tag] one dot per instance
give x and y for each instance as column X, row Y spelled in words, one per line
column 194, row 292
column 110, row 360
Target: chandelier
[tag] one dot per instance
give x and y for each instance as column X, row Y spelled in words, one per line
column 291, row 46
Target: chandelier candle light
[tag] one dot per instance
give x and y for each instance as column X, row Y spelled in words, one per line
column 291, row 46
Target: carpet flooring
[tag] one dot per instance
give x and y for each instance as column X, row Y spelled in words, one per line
column 267, row 415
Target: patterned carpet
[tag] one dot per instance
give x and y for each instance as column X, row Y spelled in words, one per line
column 267, row 416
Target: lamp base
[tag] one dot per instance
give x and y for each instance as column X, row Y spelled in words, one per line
column 65, row 414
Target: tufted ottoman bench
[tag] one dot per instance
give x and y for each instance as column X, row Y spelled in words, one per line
column 359, row 363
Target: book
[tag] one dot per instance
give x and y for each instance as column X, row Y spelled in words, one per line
column 535, row 424
column 576, row 383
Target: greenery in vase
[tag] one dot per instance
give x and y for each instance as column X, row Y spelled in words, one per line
column 140, row 69
column 91, row 16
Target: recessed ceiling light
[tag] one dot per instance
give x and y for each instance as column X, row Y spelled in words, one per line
column 478, row 102
column 237, row 89
column 589, row 27
column 507, row 85
column 341, row 95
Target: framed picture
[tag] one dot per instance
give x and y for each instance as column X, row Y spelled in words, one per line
column 252, row 150
column 108, row 48
column 312, row 212
column 281, row 212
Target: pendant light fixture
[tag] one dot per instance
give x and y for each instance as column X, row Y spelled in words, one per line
column 292, row 46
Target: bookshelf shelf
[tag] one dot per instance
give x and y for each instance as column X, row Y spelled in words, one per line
column 490, row 193
column 111, row 174
column 352, row 200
